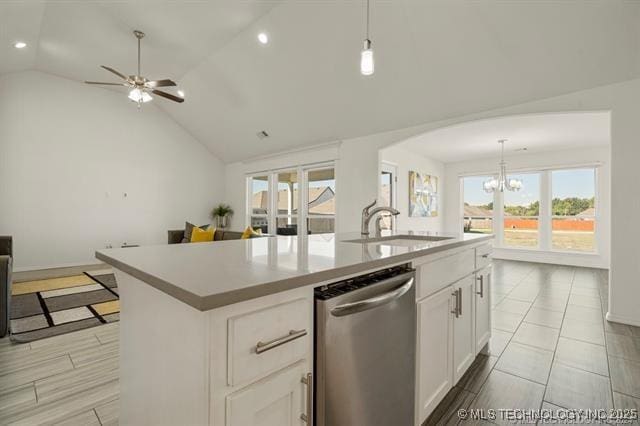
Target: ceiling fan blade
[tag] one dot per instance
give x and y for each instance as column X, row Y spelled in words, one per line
column 106, row 84
column 159, row 83
column 168, row 96
column 119, row 74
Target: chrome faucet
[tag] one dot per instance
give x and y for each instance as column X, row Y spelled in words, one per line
column 367, row 215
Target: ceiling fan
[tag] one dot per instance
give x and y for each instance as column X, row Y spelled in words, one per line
column 139, row 85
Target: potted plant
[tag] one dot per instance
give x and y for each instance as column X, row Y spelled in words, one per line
column 221, row 213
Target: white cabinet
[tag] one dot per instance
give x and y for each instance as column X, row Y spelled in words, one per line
column 483, row 308
column 464, row 343
column 277, row 400
column 454, row 323
column 435, row 349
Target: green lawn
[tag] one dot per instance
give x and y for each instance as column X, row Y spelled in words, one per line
column 560, row 240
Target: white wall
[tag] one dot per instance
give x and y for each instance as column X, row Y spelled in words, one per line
column 533, row 161
column 68, row 154
column 623, row 101
column 406, row 160
column 358, row 177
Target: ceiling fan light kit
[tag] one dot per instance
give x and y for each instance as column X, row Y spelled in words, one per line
column 141, row 87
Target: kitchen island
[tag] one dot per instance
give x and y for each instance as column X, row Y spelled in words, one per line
column 222, row 333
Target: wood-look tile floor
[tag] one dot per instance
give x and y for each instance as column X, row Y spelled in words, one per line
column 551, row 347
column 71, row 379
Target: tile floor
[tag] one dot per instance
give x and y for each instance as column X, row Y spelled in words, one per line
column 551, row 347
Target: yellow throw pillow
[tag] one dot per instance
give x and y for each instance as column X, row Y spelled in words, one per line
column 200, row 235
column 249, row 233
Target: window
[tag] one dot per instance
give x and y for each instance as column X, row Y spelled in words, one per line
column 556, row 210
column 275, row 198
column 321, row 200
column 388, row 191
column 287, row 203
column 477, row 206
column 259, row 202
column 521, row 212
column 573, row 210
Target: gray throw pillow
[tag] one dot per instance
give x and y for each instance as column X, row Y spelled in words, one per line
column 188, row 230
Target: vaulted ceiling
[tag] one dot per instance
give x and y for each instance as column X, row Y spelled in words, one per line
column 434, row 59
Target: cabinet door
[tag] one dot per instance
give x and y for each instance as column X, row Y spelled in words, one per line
column 464, row 344
column 483, row 308
column 435, row 338
column 277, row 400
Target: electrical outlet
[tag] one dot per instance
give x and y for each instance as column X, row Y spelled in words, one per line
column 108, row 246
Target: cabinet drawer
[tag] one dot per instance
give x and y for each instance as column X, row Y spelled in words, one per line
column 263, row 341
column 440, row 273
column 483, row 255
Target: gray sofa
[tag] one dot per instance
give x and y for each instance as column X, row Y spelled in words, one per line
column 176, row 236
column 6, row 259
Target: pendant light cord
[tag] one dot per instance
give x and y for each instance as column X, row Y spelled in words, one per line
column 367, row 19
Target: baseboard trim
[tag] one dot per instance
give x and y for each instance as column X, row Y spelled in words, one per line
column 622, row 320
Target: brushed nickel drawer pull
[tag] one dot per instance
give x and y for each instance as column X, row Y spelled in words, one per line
column 293, row 335
column 481, row 292
column 486, row 255
column 460, row 301
column 308, row 416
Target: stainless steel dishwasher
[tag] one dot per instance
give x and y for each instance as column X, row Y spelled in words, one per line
column 365, row 342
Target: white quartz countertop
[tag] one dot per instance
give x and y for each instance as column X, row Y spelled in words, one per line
column 210, row 275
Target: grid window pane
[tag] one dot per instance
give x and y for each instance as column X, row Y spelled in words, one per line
column 259, row 195
column 521, row 211
column 521, row 231
column 573, row 234
column 320, row 225
column 573, row 208
column 478, row 206
column 321, row 192
column 288, row 192
column 260, row 222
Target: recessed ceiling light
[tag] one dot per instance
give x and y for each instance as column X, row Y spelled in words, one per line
column 20, row 45
column 181, row 93
column 263, row 38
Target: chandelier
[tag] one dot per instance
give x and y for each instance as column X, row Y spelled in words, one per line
column 503, row 181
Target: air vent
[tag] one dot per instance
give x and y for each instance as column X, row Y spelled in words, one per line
column 262, row 134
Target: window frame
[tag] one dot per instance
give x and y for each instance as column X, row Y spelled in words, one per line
column 595, row 217
column 545, row 217
column 301, row 207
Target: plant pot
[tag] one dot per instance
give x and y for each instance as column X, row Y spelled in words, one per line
column 222, row 221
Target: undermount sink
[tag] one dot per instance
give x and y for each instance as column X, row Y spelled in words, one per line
column 398, row 240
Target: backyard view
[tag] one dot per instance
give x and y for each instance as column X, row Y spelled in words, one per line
column 572, row 210
column 320, row 210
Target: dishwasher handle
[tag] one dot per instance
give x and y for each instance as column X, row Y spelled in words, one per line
column 373, row 302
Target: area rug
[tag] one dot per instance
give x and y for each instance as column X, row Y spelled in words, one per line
column 46, row 308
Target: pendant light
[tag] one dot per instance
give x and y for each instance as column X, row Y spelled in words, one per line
column 366, row 56
column 502, row 182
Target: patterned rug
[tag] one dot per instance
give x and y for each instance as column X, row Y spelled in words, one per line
column 46, row 308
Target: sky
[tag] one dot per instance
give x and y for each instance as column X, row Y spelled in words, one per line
column 565, row 183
